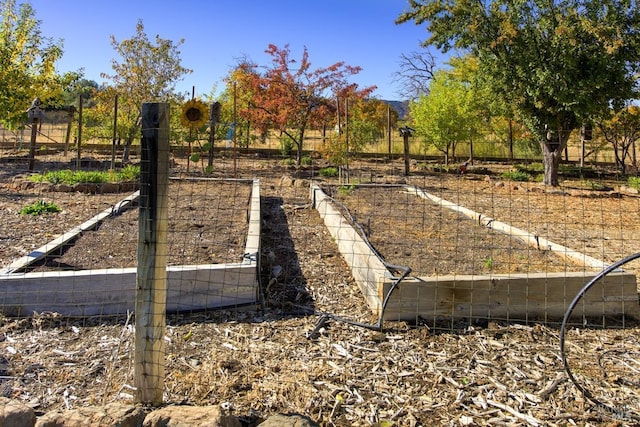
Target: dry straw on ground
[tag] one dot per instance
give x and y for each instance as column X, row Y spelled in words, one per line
column 259, row 362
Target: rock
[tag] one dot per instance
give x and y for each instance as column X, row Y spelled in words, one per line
column 286, row 181
column 16, row 414
column 190, row 416
column 111, row 415
column 288, row 420
column 301, row 183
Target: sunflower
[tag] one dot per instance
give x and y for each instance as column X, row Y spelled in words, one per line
column 194, row 114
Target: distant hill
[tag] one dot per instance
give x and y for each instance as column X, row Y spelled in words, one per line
column 401, row 107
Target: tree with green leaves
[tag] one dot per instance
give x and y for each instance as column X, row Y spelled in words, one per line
column 557, row 63
column 146, row 72
column 27, row 64
column 446, row 116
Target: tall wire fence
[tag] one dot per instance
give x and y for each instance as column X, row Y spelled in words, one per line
column 354, row 298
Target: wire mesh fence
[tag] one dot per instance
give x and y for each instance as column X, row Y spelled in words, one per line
column 431, row 298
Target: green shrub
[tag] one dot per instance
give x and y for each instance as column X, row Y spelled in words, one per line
column 516, row 175
column 634, row 182
column 328, row 172
column 306, row 160
column 130, row 173
column 40, row 207
column 286, row 145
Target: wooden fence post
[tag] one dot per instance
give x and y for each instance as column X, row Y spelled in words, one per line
column 151, row 291
column 32, row 145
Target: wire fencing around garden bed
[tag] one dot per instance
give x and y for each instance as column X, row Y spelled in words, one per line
column 488, row 368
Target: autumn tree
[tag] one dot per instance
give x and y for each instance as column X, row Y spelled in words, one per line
column 622, row 131
column 368, row 120
column 147, row 71
column 27, row 64
column 291, row 99
column 557, row 62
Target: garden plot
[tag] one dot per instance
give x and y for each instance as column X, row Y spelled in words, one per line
column 213, row 240
column 459, row 265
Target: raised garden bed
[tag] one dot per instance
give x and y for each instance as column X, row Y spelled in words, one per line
column 91, row 269
column 459, row 266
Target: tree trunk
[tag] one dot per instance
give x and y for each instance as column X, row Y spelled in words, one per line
column 551, row 160
column 127, row 149
column 405, row 140
column 553, row 144
column 299, row 145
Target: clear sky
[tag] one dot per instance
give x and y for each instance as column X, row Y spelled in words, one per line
column 218, row 32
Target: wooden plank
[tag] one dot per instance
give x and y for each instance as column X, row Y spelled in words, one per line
column 151, row 289
column 69, row 236
column 108, row 292
column 528, row 238
column 252, row 245
column 366, row 267
column 515, row 297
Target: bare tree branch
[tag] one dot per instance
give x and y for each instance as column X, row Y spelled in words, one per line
column 416, row 71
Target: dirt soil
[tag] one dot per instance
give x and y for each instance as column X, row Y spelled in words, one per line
column 258, row 362
column 433, row 240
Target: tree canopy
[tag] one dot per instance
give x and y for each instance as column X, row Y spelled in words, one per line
column 622, row 131
column 556, row 63
column 449, row 114
column 146, row 72
column 27, row 63
column 288, row 98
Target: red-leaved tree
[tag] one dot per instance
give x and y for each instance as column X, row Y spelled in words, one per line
column 289, row 96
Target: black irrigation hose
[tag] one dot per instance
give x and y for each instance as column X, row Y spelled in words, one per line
column 391, row 267
column 583, row 291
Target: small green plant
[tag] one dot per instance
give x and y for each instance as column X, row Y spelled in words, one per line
column 328, row 172
column 286, row 145
column 516, row 175
column 306, row 160
column 345, row 190
column 488, row 263
column 288, row 162
column 597, row 185
column 130, row 173
column 531, row 168
column 69, row 177
column 40, row 207
column 634, row 182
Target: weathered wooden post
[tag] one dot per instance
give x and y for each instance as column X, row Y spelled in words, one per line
column 406, row 132
column 151, row 292
column 214, row 117
column 79, row 141
column 34, row 114
column 389, row 130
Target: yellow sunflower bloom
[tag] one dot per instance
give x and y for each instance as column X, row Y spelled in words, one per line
column 194, row 114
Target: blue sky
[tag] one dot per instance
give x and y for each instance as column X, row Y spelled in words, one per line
column 218, row 32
